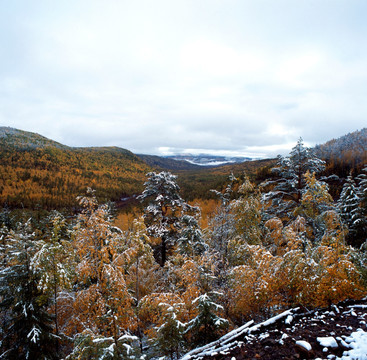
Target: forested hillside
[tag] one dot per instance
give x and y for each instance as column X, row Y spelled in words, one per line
column 163, row 163
column 81, row 288
column 37, row 172
column 349, row 152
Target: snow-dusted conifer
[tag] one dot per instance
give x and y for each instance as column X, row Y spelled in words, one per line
column 286, row 191
column 222, row 225
column 348, row 204
column 169, row 339
column 89, row 346
column 207, row 325
column 191, row 241
column 360, row 216
column 28, row 327
column 162, row 215
column 348, row 201
column 52, row 262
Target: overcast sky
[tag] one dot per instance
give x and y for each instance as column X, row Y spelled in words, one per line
column 243, row 77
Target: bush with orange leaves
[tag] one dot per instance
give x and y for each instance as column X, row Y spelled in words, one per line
column 296, row 271
column 254, row 286
column 102, row 304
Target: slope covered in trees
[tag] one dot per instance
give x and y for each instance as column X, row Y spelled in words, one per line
column 37, row 172
column 349, row 152
column 163, row 163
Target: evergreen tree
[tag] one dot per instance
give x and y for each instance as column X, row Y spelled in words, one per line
column 360, row 216
column 90, row 346
column 207, row 325
column 28, row 327
column 191, row 241
column 349, row 206
column 222, row 225
column 286, row 191
column 6, row 219
column 169, row 339
column 163, row 214
column 52, row 262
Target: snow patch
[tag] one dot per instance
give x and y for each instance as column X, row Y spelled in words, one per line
column 306, row 345
column 358, row 342
column 328, row 341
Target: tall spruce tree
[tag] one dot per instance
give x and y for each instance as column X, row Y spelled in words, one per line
column 286, row 190
column 207, row 325
column 360, row 217
column 349, row 207
column 29, row 333
column 191, row 241
column 52, row 262
column 163, row 213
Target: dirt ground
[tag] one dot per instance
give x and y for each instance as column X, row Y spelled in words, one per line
column 279, row 340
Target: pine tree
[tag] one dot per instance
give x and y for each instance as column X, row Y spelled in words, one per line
column 163, row 214
column 169, row 339
column 360, row 216
column 6, row 219
column 222, row 225
column 29, row 330
column 349, row 206
column 286, row 190
column 207, row 325
column 191, row 241
column 52, row 261
column 90, row 346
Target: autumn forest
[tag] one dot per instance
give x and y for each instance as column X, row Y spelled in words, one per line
column 190, row 260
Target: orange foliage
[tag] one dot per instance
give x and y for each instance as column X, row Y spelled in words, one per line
column 102, row 302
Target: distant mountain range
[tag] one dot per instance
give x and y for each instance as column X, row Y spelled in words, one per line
column 208, row 160
column 189, row 161
column 161, row 162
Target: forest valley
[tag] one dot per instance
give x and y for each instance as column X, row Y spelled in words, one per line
column 81, row 288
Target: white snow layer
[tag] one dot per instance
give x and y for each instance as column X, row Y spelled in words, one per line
column 306, row 345
column 327, row 341
column 358, row 343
